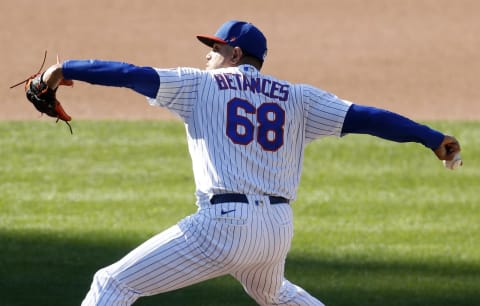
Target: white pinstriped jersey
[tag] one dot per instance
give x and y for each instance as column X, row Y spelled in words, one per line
column 247, row 131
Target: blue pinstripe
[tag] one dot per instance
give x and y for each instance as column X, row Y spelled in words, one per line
column 250, row 244
column 250, row 241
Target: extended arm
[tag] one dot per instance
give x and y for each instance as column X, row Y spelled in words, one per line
column 144, row 80
column 384, row 124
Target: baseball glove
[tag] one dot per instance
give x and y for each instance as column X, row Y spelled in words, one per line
column 44, row 98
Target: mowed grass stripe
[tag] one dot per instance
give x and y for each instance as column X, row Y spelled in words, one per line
column 376, row 222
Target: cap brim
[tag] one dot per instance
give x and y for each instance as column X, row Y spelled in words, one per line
column 210, row 40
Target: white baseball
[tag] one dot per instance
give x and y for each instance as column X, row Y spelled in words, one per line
column 454, row 163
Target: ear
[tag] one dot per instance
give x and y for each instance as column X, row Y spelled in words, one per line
column 237, row 55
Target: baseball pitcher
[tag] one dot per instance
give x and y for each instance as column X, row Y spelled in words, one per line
column 246, row 133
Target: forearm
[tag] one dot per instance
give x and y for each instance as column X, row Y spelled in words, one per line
column 388, row 125
column 144, row 80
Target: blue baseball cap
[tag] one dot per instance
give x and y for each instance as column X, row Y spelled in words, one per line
column 239, row 34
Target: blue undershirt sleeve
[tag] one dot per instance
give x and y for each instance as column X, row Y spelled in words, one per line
column 144, row 80
column 387, row 125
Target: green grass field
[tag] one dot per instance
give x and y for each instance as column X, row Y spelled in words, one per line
column 377, row 223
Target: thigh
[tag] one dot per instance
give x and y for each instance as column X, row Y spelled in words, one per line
column 263, row 275
column 165, row 262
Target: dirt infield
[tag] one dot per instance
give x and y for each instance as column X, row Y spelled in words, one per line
column 420, row 58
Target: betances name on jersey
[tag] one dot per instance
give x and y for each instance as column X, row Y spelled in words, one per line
column 269, row 88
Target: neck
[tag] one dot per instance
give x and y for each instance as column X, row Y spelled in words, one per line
column 248, row 60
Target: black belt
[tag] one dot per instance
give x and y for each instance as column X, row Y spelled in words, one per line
column 241, row 198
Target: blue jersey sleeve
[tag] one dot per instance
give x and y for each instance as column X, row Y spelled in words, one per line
column 144, row 80
column 384, row 124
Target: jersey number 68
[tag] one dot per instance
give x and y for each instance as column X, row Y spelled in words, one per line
column 266, row 127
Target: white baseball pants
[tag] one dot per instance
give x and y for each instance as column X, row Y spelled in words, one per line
column 248, row 241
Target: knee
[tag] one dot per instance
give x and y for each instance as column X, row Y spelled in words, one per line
column 105, row 290
column 101, row 280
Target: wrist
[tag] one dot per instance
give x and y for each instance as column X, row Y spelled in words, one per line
column 53, row 76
